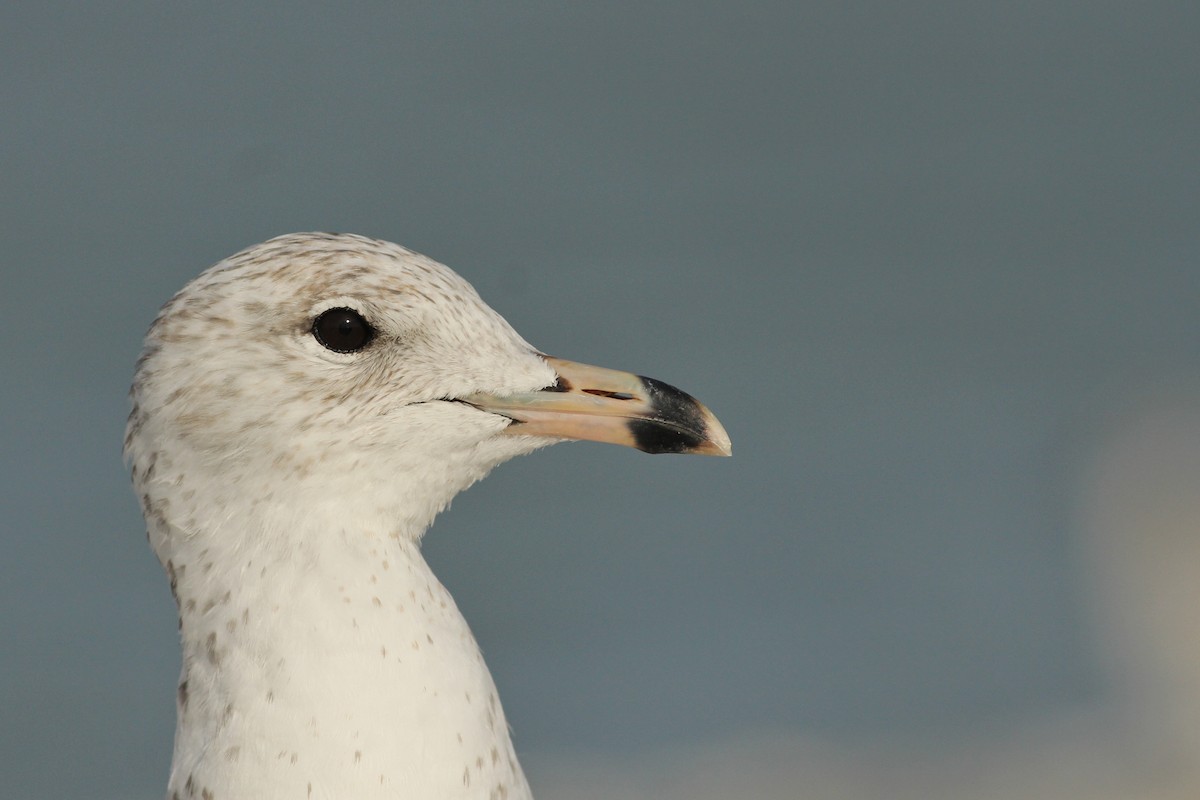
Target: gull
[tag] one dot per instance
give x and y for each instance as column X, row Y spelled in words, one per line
column 301, row 412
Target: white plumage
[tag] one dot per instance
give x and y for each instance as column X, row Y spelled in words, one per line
column 286, row 481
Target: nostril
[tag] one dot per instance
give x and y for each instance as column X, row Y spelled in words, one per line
column 608, row 394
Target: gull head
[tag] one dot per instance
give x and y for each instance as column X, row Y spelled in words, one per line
column 301, row 412
column 335, row 378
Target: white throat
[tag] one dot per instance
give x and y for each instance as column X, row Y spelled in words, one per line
column 336, row 667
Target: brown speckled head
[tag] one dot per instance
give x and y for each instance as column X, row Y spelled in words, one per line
column 233, row 384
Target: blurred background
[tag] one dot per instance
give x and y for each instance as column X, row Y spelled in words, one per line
column 933, row 264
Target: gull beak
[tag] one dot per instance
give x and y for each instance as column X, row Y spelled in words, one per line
column 605, row 405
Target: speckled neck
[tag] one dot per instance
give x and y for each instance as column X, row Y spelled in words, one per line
column 340, row 668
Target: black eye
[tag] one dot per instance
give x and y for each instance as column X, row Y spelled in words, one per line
column 342, row 330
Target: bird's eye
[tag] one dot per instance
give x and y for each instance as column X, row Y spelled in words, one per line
column 342, row 330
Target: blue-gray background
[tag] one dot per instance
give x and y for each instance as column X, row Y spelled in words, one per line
column 912, row 254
